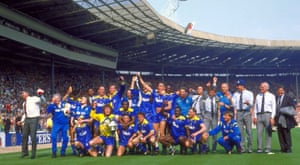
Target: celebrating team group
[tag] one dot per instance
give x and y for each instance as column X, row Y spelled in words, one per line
column 181, row 121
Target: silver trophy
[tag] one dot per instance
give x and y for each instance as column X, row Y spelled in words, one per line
column 113, row 126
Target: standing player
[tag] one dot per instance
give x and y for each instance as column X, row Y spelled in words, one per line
column 70, row 98
column 133, row 95
column 100, row 100
column 230, row 133
column 146, row 106
column 126, row 132
column 115, row 95
column 60, row 117
column 177, row 132
column 106, row 135
column 126, row 110
column 196, row 131
column 161, row 108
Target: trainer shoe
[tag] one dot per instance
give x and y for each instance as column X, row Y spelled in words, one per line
column 229, row 152
column 172, row 151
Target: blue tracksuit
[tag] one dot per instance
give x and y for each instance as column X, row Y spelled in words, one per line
column 185, row 104
column 231, row 130
column 60, row 124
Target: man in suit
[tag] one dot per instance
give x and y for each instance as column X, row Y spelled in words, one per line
column 284, row 122
column 264, row 113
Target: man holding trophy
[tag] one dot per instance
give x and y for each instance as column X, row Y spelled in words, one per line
column 107, row 130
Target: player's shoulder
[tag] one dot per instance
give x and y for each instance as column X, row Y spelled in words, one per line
column 181, row 117
column 233, row 122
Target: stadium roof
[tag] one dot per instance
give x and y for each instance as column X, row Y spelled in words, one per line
column 146, row 41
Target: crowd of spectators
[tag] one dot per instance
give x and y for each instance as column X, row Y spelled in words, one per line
column 14, row 78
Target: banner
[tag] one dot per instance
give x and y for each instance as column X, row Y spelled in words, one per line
column 15, row 139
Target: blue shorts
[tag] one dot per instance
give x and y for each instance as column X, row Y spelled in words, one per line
column 196, row 139
column 123, row 142
column 149, row 117
column 85, row 143
column 158, row 117
column 108, row 140
column 176, row 139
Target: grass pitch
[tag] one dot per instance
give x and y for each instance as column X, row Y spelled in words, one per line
column 219, row 158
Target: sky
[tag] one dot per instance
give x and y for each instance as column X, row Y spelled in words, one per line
column 260, row 19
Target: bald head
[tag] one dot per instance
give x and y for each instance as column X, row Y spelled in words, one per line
column 264, row 87
column 24, row 95
column 224, row 87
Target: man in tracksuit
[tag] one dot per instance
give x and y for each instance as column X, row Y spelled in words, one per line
column 231, row 135
column 60, row 112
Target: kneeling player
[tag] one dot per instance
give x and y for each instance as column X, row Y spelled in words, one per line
column 83, row 136
column 177, row 132
column 126, row 133
column 230, row 133
column 196, row 131
column 106, row 134
column 146, row 134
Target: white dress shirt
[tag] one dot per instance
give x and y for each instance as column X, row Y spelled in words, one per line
column 208, row 107
column 269, row 105
column 246, row 96
column 32, row 106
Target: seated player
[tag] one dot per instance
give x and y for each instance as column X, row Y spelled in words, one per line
column 106, row 135
column 126, row 133
column 177, row 132
column 83, row 136
column 230, row 133
column 196, row 131
column 146, row 134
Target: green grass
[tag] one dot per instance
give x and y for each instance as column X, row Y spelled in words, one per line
column 219, row 158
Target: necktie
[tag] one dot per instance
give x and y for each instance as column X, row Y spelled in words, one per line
column 262, row 109
column 280, row 100
column 212, row 106
column 241, row 101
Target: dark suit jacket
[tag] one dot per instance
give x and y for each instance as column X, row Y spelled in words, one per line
column 286, row 101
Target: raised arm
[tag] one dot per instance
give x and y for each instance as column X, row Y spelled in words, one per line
column 145, row 85
column 134, row 78
column 69, row 91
